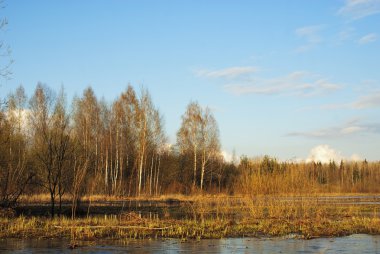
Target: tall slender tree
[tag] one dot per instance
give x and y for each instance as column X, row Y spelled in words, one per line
column 198, row 134
column 49, row 123
column 188, row 135
column 14, row 170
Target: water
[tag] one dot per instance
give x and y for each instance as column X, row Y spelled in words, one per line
column 177, row 209
column 351, row 244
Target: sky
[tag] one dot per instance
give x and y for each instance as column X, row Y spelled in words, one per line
column 291, row 79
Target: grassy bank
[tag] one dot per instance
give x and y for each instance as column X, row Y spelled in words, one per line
column 95, row 228
column 207, row 217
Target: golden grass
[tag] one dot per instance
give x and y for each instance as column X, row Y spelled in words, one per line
column 92, row 229
column 211, row 217
column 45, row 198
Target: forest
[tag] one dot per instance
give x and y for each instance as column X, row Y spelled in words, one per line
column 90, row 146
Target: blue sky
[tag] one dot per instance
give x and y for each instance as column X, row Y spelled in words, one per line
column 284, row 78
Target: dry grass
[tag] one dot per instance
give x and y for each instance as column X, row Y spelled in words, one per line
column 211, row 217
column 267, row 176
column 45, row 198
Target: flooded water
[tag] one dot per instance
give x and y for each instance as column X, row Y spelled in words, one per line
column 144, row 208
column 177, row 209
column 350, row 244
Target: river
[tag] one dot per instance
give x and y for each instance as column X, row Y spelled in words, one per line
column 358, row 243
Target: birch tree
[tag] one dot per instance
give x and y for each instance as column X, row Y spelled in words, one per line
column 188, row 138
column 50, row 140
column 145, row 107
column 87, row 129
column 14, row 170
column 127, row 114
column 210, row 144
column 198, row 135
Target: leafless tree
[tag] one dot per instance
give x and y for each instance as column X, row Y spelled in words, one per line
column 188, row 138
column 80, row 169
column 49, row 123
column 14, row 171
column 199, row 134
column 210, row 144
column 5, row 50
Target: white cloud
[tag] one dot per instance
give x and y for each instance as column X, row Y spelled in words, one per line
column 311, row 35
column 354, row 127
column 346, row 34
column 372, row 37
column 355, row 157
column 368, row 101
column 245, row 80
column 351, row 129
column 295, row 83
column 228, row 157
column 357, row 9
column 325, row 154
column 231, row 72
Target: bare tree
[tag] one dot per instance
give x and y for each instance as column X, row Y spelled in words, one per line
column 210, row 144
column 51, row 140
column 188, row 138
column 89, row 129
column 14, row 171
column 159, row 142
column 63, row 148
column 5, row 50
column 199, row 134
column 5, row 55
column 125, row 111
column 80, row 169
column 145, row 107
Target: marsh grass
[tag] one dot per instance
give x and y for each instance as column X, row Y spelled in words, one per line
column 218, row 217
column 45, row 198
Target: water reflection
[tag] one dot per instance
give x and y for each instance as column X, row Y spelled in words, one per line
column 350, row 244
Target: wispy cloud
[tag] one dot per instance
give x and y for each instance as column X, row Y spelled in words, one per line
column 354, row 127
column 231, row 72
column 346, row 34
column 372, row 37
column 357, row 9
column 369, row 101
column 311, row 35
column 296, row 83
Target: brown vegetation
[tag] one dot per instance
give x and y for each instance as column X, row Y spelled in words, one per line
column 212, row 217
column 112, row 152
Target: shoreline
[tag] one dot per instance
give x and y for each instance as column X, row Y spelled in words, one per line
column 93, row 228
column 206, row 216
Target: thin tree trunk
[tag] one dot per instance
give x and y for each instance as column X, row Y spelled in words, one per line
column 142, row 157
column 151, row 175
column 52, row 200
column 195, row 167
column 203, row 168
column 60, row 205
column 106, row 172
column 158, row 172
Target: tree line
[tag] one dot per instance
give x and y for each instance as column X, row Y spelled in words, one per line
column 90, row 146
column 95, row 147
